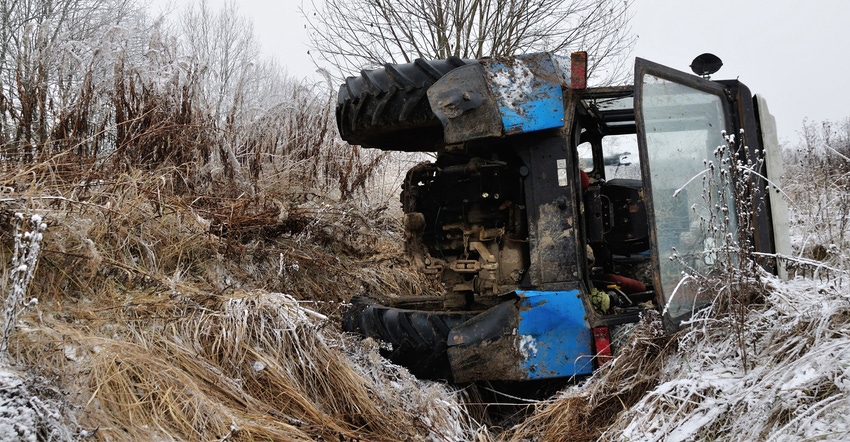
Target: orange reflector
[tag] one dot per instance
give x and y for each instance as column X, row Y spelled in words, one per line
column 602, row 339
column 578, row 70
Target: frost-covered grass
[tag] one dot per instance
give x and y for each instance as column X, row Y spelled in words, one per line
column 193, row 212
column 776, row 367
column 817, row 181
column 771, row 363
column 167, row 317
column 795, row 385
column 31, row 411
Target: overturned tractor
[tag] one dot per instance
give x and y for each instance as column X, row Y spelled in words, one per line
column 552, row 209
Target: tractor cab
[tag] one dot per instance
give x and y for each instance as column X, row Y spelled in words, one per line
column 658, row 150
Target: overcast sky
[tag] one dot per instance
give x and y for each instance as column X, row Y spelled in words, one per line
column 793, row 53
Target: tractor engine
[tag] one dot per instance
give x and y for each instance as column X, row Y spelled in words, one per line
column 464, row 219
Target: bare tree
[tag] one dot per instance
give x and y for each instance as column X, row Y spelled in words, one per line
column 35, row 83
column 222, row 44
column 350, row 35
column 224, row 50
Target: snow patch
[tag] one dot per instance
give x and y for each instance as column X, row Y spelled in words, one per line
column 24, row 416
column 527, row 346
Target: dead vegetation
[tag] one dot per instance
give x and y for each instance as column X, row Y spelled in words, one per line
column 168, row 314
column 792, row 386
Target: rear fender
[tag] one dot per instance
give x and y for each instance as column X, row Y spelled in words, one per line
column 540, row 335
column 500, row 96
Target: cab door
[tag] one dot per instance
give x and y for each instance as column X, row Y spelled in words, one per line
column 681, row 119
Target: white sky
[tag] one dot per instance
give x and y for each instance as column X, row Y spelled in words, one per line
column 793, row 53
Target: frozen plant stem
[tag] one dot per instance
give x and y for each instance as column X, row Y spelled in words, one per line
column 27, row 247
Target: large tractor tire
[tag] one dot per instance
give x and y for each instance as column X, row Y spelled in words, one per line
column 418, row 338
column 388, row 108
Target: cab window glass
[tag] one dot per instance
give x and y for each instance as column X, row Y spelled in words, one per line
column 620, row 156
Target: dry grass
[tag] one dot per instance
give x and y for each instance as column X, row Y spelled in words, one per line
column 258, row 366
column 163, row 313
column 817, row 183
column 140, row 230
